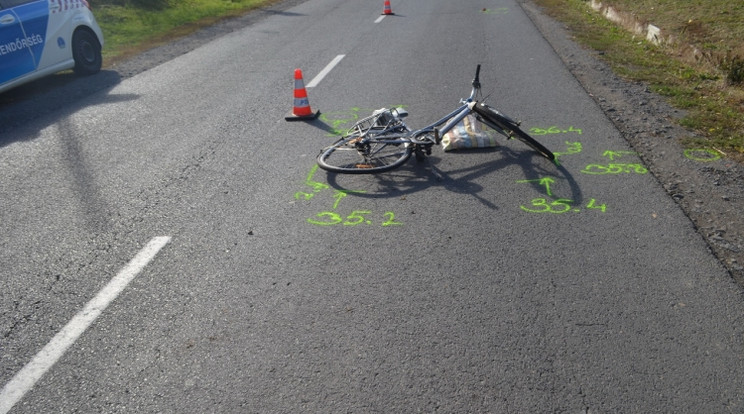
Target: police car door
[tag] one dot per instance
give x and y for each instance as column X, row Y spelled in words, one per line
column 22, row 31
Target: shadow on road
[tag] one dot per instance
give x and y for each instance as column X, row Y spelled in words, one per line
column 30, row 105
column 416, row 176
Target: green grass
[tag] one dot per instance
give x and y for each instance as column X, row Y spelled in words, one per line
column 130, row 26
column 709, row 90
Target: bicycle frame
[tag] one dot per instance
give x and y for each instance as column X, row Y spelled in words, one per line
column 454, row 118
column 449, row 121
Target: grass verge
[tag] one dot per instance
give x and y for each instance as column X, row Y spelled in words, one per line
column 132, row 26
column 708, row 89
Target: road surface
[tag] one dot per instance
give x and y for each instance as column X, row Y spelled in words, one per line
column 168, row 244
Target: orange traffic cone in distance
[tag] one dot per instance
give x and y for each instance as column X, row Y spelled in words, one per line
column 301, row 109
column 387, row 9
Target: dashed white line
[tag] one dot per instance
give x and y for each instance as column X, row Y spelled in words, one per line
column 316, row 80
column 379, row 19
column 25, row 379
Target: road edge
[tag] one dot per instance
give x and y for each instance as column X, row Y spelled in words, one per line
column 706, row 190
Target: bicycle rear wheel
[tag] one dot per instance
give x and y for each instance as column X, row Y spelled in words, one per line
column 354, row 155
column 494, row 119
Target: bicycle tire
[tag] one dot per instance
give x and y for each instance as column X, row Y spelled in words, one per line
column 502, row 122
column 377, row 155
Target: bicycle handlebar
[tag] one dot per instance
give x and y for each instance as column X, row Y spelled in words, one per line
column 476, row 84
column 476, row 80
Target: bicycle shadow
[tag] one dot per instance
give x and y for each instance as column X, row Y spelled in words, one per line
column 323, row 126
column 546, row 177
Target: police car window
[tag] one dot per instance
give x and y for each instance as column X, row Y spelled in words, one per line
column 4, row 4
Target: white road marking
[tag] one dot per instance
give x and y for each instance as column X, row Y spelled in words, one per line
column 316, row 80
column 25, row 379
column 379, row 19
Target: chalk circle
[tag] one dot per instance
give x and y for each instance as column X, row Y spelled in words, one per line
column 702, row 154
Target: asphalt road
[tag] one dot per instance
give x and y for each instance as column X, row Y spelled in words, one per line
column 243, row 279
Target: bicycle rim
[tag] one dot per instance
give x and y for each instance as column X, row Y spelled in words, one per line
column 531, row 142
column 377, row 155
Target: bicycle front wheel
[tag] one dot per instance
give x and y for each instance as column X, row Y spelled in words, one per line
column 494, row 119
column 354, row 155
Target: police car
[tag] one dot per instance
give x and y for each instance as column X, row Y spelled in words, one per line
column 41, row 37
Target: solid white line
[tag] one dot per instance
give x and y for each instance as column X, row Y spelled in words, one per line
column 25, row 379
column 316, row 80
column 379, row 19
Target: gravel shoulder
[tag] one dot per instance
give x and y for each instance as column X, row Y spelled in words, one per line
column 710, row 191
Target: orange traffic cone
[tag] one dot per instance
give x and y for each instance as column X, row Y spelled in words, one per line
column 387, row 9
column 301, row 109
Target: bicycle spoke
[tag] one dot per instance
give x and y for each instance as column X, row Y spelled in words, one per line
column 353, row 156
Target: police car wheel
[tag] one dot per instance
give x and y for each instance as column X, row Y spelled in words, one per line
column 86, row 51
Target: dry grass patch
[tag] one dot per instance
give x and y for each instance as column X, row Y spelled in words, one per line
column 707, row 84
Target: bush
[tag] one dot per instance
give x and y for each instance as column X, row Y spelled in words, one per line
column 735, row 71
